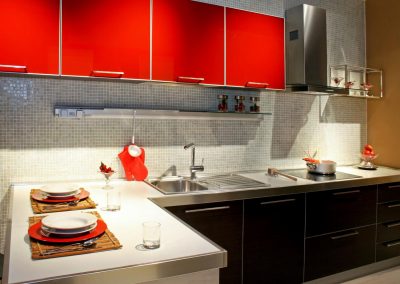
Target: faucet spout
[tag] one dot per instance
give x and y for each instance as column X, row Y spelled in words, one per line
column 193, row 168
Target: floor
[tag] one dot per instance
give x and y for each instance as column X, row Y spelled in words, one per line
column 390, row 276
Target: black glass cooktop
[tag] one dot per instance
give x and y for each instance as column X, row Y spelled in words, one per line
column 304, row 174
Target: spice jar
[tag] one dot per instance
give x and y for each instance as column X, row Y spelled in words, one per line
column 239, row 106
column 222, row 103
column 255, row 104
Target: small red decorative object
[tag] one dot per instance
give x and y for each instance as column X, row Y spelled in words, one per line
column 134, row 167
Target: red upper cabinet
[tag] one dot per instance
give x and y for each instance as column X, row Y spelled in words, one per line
column 29, row 36
column 106, row 38
column 188, row 42
column 254, row 50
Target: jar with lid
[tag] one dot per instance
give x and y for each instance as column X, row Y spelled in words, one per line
column 222, row 103
column 254, row 104
column 239, row 106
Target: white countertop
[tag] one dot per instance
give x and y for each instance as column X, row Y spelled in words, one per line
column 177, row 240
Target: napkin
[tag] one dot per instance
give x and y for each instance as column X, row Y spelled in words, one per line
column 134, row 167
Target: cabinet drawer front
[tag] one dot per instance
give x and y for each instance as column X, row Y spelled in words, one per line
column 387, row 250
column 388, row 211
column 274, row 239
column 335, row 210
column 222, row 222
column 338, row 252
column 388, row 231
column 389, row 192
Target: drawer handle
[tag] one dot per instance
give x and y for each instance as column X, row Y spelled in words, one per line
column 393, row 205
column 355, row 233
column 190, row 80
column 277, row 201
column 207, row 209
column 346, row 192
column 394, row 186
column 108, row 74
column 391, row 225
column 256, row 85
column 392, row 244
column 13, row 68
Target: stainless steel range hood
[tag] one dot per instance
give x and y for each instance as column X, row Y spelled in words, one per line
column 306, row 51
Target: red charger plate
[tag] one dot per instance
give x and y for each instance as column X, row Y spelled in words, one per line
column 39, row 197
column 34, row 232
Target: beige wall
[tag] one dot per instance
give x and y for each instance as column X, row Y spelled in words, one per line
column 383, row 52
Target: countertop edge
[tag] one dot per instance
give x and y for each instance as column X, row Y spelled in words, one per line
column 146, row 272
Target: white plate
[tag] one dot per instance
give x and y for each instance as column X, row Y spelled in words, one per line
column 66, row 196
column 69, row 232
column 60, row 189
column 69, row 220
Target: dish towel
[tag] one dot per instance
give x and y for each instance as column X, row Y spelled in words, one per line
column 134, row 167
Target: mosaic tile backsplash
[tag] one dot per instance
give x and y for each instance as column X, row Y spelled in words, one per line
column 37, row 146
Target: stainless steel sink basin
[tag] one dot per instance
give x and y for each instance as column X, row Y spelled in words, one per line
column 225, row 182
column 178, row 185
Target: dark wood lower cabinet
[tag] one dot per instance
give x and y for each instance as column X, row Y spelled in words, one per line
column 221, row 222
column 274, row 240
column 337, row 252
column 387, row 250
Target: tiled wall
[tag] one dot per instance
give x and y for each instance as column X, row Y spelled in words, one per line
column 36, row 146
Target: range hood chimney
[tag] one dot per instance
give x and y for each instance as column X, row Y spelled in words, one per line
column 306, row 51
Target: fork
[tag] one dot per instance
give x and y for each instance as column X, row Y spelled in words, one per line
column 63, row 204
column 72, row 247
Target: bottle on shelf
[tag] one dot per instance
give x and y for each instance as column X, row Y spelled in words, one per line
column 239, row 106
column 222, row 103
column 254, row 104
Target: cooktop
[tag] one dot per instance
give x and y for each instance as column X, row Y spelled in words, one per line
column 304, row 174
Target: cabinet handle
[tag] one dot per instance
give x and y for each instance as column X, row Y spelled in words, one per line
column 391, row 225
column 355, row 233
column 394, row 186
column 392, row 244
column 277, row 201
column 108, row 74
column 13, row 68
column 346, row 192
column 393, row 205
column 256, row 85
column 207, row 209
column 190, row 79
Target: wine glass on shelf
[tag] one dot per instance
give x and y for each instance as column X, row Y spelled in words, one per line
column 349, row 84
column 337, row 81
column 366, row 87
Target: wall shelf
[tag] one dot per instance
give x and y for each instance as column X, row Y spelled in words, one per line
column 357, row 81
column 67, row 112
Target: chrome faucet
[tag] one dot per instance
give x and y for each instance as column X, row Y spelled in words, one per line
column 193, row 167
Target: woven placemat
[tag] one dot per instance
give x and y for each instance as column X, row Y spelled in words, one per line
column 41, row 250
column 42, row 207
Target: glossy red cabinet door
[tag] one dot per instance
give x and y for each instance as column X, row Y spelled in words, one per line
column 29, row 36
column 106, row 38
column 188, row 42
column 254, row 50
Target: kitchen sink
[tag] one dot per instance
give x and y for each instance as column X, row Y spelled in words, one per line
column 225, row 182
column 177, row 185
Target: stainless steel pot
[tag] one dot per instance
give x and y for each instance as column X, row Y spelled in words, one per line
column 324, row 167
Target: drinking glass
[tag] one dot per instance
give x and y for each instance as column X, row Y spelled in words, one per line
column 151, row 234
column 113, row 202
